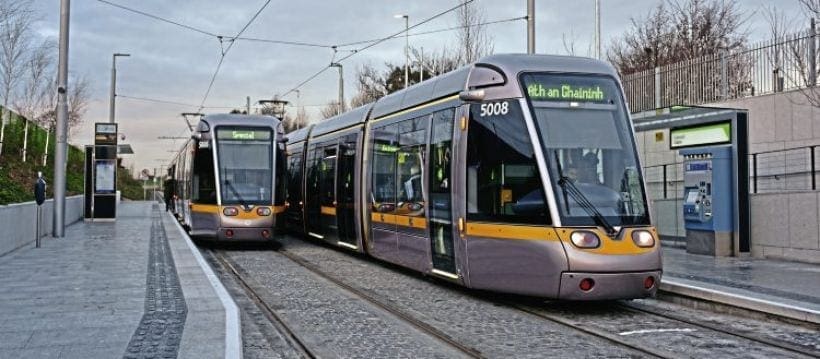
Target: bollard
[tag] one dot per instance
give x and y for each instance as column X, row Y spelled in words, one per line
column 39, row 197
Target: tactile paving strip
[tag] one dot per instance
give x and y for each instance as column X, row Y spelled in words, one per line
column 160, row 330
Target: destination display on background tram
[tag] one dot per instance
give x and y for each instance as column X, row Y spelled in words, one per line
column 242, row 134
column 567, row 88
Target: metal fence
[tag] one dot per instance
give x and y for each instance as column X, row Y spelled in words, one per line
column 778, row 171
column 780, row 64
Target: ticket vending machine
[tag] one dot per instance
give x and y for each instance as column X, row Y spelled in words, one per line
column 708, row 200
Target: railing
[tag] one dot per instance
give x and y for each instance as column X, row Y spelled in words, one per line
column 781, row 64
column 777, row 171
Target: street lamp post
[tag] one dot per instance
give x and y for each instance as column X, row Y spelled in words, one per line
column 341, row 86
column 114, row 84
column 406, row 47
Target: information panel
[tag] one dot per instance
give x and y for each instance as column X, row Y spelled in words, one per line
column 711, row 134
column 105, row 177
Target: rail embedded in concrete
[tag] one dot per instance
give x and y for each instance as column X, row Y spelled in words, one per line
column 761, row 305
column 19, row 226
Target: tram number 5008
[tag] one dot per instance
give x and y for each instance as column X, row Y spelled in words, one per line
column 494, row 109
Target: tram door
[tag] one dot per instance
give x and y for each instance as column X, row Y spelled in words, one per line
column 440, row 187
column 327, row 159
column 312, row 194
column 345, row 190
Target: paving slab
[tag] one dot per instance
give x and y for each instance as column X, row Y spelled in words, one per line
column 784, row 288
column 92, row 293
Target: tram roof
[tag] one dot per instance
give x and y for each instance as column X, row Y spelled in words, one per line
column 232, row 119
column 350, row 118
column 299, row 135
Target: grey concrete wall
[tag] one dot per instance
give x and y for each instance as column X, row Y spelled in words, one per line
column 19, row 226
column 784, row 218
column 786, row 225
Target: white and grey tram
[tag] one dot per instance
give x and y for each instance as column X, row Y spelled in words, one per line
column 518, row 174
column 225, row 178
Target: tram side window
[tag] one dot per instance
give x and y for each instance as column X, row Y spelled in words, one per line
column 383, row 170
column 440, row 143
column 327, row 175
column 503, row 182
column 411, row 166
column 204, row 183
column 294, row 190
column 281, row 175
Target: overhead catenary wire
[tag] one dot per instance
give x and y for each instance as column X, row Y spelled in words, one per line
column 158, row 18
column 168, row 102
column 439, row 30
column 225, row 52
column 353, row 53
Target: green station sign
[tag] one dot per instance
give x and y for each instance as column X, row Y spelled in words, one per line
column 710, row 134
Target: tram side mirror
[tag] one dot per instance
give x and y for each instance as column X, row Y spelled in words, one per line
column 40, row 190
column 471, row 96
column 282, row 139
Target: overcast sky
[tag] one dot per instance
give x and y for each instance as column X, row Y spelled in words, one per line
column 174, row 64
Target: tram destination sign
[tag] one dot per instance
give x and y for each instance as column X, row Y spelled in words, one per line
column 700, row 135
column 242, row 134
column 541, row 87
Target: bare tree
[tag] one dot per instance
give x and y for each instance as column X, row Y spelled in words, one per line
column 33, row 100
column 293, row 123
column 790, row 50
column 16, row 18
column 333, row 108
column 78, row 97
column 678, row 30
column 473, row 40
column 370, row 85
column 472, row 43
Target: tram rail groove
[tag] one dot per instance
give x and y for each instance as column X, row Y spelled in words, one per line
column 655, row 353
column 282, row 326
column 780, row 345
column 424, row 327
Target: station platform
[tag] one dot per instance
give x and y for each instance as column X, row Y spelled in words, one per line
column 133, row 288
column 777, row 287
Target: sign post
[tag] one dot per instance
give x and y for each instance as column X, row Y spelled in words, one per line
column 40, row 198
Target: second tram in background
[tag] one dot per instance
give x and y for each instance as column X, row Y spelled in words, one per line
column 224, row 178
column 516, row 174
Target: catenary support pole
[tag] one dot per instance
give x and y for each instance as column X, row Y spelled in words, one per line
column 530, row 26
column 60, row 155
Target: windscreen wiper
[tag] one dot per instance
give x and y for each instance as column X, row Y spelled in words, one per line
column 569, row 188
column 238, row 196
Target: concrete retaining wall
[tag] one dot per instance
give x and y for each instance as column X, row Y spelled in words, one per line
column 18, row 221
column 786, row 225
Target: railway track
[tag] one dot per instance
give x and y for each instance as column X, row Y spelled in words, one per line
column 422, row 326
column 636, row 308
column 287, row 333
column 290, row 335
column 647, row 350
column 591, row 330
column 610, row 337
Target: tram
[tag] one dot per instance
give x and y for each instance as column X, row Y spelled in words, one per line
column 225, row 178
column 516, row 174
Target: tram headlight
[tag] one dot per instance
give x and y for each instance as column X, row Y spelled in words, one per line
column 585, row 239
column 643, row 238
column 263, row 211
column 230, row 211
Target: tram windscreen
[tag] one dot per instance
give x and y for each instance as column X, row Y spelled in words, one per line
column 245, row 162
column 589, row 148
